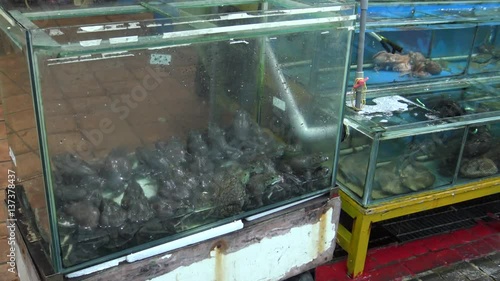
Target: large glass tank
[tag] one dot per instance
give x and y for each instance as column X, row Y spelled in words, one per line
column 414, row 42
column 410, row 141
column 150, row 122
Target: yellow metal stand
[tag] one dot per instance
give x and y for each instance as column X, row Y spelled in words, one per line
column 355, row 243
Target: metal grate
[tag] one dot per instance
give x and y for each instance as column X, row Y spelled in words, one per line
column 427, row 223
column 438, row 229
column 419, row 227
column 442, row 220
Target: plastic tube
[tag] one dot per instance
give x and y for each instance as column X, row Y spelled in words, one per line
column 361, row 50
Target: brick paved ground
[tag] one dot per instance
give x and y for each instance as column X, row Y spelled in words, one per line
column 485, row 268
column 481, row 269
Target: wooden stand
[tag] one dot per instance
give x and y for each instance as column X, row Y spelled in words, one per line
column 355, row 243
column 274, row 247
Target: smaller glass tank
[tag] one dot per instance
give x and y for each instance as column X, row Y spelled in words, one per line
column 409, row 143
column 408, row 42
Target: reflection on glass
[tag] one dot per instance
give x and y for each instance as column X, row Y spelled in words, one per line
column 22, row 136
column 161, row 128
column 353, row 161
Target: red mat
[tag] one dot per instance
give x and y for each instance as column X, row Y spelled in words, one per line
column 407, row 259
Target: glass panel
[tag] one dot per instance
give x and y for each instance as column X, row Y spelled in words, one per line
column 81, row 8
column 415, row 164
column 353, row 162
column 22, row 135
column 481, row 153
column 176, row 126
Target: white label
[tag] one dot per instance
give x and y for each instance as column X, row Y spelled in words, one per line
column 55, row 32
column 161, row 59
column 12, row 156
column 125, row 39
column 279, row 103
column 93, row 28
column 238, row 42
column 89, row 43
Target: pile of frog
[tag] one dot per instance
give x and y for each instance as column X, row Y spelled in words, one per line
column 413, row 64
column 132, row 198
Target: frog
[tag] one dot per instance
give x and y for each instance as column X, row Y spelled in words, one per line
column 304, row 163
column 269, row 145
column 84, row 214
column 478, row 167
column 318, row 178
column 163, row 207
column 136, row 204
column 219, row 148
column 152, row 159
column 174, row 151
column 277, row 192
column 72, row 164
column 416, row 176
column 261, row 164
column 88, row 189
column 66, row 193
column 432, row 67
column 201, row 164
column 112, row 214
column 258, row 184
column 242, row 126
column 66, row 223
column 116, row 171
column 196, row 145
column 183, row 184
column 490, row 50
column 392, row 62
column 448, row 108
column 228, row 191
column 154, row 229
column 482, row 58
column 479, row 141
column 387, row 180
column 85, row 245
column 167, row 188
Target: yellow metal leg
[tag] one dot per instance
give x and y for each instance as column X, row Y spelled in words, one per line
column 356, row 241
column 359, row 245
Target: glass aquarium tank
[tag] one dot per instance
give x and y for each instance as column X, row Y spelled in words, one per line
column 409, row 142
column 408, row 42
column 144, row 123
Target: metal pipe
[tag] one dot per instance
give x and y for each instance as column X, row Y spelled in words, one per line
column 361, row 50
column 297, row 120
